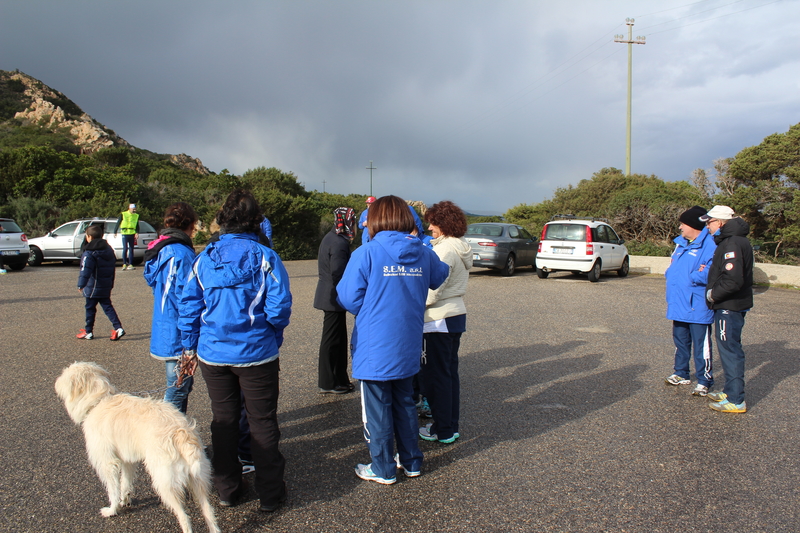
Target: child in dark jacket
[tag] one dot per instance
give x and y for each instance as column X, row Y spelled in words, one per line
column 96, row 280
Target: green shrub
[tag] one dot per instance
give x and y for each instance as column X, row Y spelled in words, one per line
column 649, row 249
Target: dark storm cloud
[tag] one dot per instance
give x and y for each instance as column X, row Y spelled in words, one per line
column 489, row 104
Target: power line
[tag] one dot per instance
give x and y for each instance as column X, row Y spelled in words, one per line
column 676, row 7
column 709, row 19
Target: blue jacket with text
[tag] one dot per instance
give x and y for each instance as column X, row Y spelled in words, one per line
column 385, row 285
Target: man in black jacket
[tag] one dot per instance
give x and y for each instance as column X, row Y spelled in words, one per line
column 729, row 293
column 334, row 253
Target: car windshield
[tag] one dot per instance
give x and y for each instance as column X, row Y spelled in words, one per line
column 565, row 232
column 485, row 229
column 9, row 226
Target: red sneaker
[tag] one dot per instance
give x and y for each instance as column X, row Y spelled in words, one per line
column 117, row 334
column 82, row 334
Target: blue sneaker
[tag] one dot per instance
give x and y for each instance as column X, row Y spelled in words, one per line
column 365, row 472
column 424, row 409
column 408, row 473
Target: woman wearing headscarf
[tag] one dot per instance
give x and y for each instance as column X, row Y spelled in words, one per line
column 233, row 310
column 445, row 321
column 385, row 285
column 334, row 253
column 167, row 264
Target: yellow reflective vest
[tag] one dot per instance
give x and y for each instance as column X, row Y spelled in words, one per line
column 130, row 222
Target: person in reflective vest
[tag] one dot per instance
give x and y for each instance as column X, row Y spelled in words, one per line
column 127, row 224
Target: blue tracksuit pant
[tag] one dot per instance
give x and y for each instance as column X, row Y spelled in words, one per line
column 693, row 340
column 389, row 413
column 729, row 326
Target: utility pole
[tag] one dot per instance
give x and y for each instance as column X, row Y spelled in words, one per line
column 323, row 185
column 370, row 168
column 630, row 41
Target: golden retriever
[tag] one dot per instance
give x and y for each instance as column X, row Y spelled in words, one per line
column 122, row 430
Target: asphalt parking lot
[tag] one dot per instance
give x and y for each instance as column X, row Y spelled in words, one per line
column 567, row 424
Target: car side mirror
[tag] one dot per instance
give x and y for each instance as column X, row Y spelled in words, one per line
column 621, row 241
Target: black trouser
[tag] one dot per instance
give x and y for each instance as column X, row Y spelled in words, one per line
column 440, row 381
column 333, row 351
column 259, row 384
column 108, row 309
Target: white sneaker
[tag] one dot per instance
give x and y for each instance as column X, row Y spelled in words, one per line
column 675, row 379
column 700, row 390
column 365, row 472
column 3, row 271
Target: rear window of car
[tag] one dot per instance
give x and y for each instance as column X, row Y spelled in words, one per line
column 144, row 227
column 565, row 232
column 9, row 226
column 485, row 229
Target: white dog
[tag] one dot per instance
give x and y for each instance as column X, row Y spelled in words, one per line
column 122, row 430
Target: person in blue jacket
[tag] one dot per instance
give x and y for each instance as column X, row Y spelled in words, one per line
column 233, row 310
column 266, row 229
column 365, row 233
column 95, row 281
column 385, row 285
column 686, row 302
column 362, row 221
column 167, row 264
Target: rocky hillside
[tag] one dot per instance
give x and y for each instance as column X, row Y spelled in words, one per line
column 26, row 103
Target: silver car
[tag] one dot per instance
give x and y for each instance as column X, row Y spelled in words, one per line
column 501, row 246
column 65, row 242
column 13, row 245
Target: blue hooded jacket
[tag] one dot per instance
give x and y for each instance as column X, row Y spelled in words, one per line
column 98, row 268
column 385, row 285
column 168, row 262
column 686, row 285
column 236, row 303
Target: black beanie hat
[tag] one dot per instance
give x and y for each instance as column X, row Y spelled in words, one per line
column 691, row 217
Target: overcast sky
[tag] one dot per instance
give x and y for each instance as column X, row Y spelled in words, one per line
column 489, row 104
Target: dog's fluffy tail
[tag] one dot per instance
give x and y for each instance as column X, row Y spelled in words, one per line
column 190, row 447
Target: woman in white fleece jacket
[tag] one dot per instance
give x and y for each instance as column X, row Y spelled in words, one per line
column 445, row 321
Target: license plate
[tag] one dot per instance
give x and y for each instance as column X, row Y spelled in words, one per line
column 10, row 252
column 562, row 251
column 476, row 257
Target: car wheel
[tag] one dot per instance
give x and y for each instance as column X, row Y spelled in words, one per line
column 17, row 266
column 623, row 271
column 35, row 258
column 511, row 266
column 594, row 273
column 542, row 273
column 137, row 261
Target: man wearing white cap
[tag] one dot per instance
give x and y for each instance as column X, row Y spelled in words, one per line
column 127, row 224
column 729, row 293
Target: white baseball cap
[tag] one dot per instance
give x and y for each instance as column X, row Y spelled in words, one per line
column 132, row 206
column 720, row 212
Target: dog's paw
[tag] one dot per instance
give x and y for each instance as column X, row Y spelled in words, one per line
column 126, row 501
column 108, row 511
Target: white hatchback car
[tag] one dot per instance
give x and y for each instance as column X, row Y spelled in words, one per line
column 581, row 245
column 64, row 243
